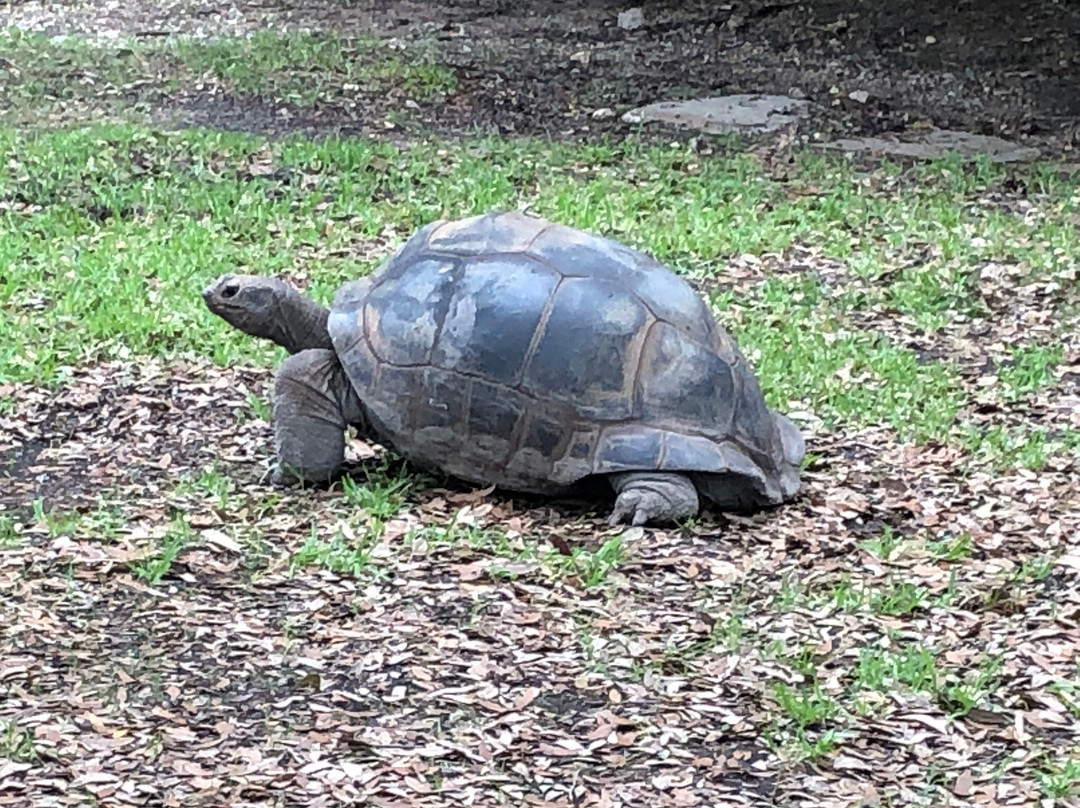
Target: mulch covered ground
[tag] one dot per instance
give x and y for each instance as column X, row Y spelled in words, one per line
column 450, row 671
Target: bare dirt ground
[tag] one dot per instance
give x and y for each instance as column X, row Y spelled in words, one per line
column 1005, row 68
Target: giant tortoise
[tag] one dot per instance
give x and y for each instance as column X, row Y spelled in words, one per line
column 506, row 349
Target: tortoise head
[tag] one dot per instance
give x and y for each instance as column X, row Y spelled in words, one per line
column 248, row 302
column 268, row 308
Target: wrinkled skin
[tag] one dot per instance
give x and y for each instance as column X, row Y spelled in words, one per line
column 269, row 308
column 314, row 402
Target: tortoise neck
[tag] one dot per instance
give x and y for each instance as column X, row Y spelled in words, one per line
column 302, row 324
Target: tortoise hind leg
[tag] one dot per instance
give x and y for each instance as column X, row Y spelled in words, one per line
column 652, row 496
column 733, row 493
column 313, row 404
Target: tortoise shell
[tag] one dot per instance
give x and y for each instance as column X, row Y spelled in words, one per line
column 508, row 349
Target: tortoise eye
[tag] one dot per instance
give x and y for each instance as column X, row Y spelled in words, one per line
column 230, row 290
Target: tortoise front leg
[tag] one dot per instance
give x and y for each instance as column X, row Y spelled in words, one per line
column 313, row 404
column 652, row 496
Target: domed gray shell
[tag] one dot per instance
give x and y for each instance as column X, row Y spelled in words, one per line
column 508, row 349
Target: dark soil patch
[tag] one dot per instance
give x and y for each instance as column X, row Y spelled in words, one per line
column 111, row 435
column 566, row 71
column 1004, row 68
column 14, row 463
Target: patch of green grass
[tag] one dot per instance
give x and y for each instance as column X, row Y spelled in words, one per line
column 1030, row 369
column 10, row 535
column 1030, row 446
column 806, row 713
column 260, row 407
column 157, row 565
column 346, row 553
column 899, row 597
column 971, row 688
column 35, row 68
column 892, row 597
column 951, row 548
column 381, row 494
column 127, row 225
column 592, row 567
column 808, row 707
column 210, row 482
column 791, row 592
column 587, row 639
column 294, row 68
column 913, row 667
column 491, row 540
column 1059, row 776
column 17, row 743
column 933, row 293
column 802, row 348
column 299, row 68
column 1068, row 691
column 1033, row 568
column 1020, row 585
column 56, row 522
column 727, row 634
column 885, row 545
column 104, row 523
column 847, row 596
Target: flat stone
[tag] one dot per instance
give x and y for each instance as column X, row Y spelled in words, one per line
column 934, row 143
column 725, row 113
column 631, row 19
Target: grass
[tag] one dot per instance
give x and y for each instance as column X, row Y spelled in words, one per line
column 592, row 568
column 1060, row 778
column 301, row 68
column 382, row 492
column 16, row 743
column 104, row 523
column 9, row 533
column 346, row 552
column 158, row 563
column 210, row 483
column 1029, row 369
column 1068, row 690
column 806, row 710
column 914, row 668
column 110, row 232
column 950, row 548
column 297, row 69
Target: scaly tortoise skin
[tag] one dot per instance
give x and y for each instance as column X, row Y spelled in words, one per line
column 510, row 350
